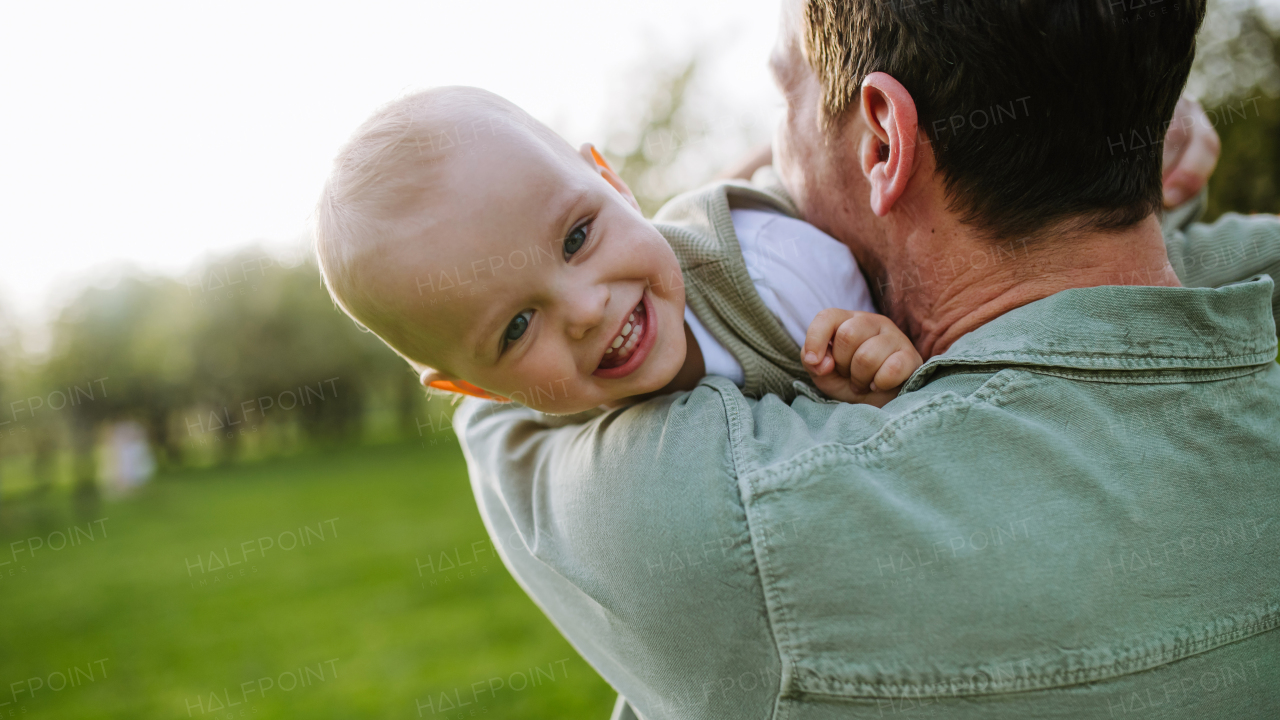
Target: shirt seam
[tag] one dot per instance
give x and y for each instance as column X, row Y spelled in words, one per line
column 1179, row 379
column 778, row 611
column 1056, row 679
column 875, row 442
column 1030, row 361
column 772, row 604
column 1205, row 360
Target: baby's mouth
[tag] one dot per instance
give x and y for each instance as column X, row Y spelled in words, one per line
column 625, row 342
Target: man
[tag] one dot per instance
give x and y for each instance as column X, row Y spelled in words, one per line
column 1071, row 509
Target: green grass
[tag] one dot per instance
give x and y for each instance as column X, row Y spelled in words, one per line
column 401, row 635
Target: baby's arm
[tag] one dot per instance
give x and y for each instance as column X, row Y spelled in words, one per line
column 858, row 357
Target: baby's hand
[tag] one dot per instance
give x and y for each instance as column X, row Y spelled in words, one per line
column 858, row 357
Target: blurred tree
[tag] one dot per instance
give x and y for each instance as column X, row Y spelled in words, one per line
column 9, row 357
column 245, row 341
column 1236, row 76
column 672, row 134
column 261, row 330
column 661, row 130
column 1235, row 53
column 1248, row 174
column 116, row 353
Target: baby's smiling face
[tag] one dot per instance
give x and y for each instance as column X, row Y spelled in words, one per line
column 578, row 301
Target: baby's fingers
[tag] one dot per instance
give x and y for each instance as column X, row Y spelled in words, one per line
column 896, row 368
column 869, row 357
column 835, row 386
column 819, row 335
column 847, row 346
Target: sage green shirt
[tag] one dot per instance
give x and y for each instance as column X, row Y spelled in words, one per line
column 1074, row 512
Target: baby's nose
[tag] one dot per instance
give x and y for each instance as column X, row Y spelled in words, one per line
column 586, row 311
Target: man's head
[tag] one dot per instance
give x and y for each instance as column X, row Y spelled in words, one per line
column 1026, row 118
column 482, row 248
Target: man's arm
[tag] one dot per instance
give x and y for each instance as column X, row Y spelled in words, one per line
column 628, row 531
column 1234, row 248
column 1191, row 149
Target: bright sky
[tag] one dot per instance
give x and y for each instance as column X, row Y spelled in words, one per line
column 154, row 133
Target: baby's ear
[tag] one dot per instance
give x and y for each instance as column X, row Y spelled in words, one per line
column 602, row 166
column 448, row 383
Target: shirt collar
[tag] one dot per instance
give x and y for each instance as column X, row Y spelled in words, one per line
column 1124, row 329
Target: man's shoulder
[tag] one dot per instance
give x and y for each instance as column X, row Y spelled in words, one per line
column 1025, row 517
column 677, row 433
column 714, row 423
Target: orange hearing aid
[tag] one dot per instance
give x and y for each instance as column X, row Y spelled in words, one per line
column 600, row 159
column 462, row 387
column 611, row 177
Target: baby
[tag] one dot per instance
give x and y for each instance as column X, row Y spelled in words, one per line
column 501, row 263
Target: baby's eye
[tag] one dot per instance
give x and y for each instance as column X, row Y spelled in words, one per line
column 575, row 240
column 516, row 328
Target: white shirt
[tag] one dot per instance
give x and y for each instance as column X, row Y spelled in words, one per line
column 797, row 269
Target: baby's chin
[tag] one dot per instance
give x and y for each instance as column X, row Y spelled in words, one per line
column 663, row 385
column 656, row 379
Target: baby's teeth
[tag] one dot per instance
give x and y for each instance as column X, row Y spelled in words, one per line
column 627, row 340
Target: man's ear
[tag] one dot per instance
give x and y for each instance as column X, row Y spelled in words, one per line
column 601, row 165
column 448, row 383
column 887, row 155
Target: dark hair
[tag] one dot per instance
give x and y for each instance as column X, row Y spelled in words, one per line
column 1039, row 111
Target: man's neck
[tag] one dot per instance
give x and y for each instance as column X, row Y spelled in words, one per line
column 950, row 283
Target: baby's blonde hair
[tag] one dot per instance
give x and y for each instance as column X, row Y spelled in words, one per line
column 380, row 179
